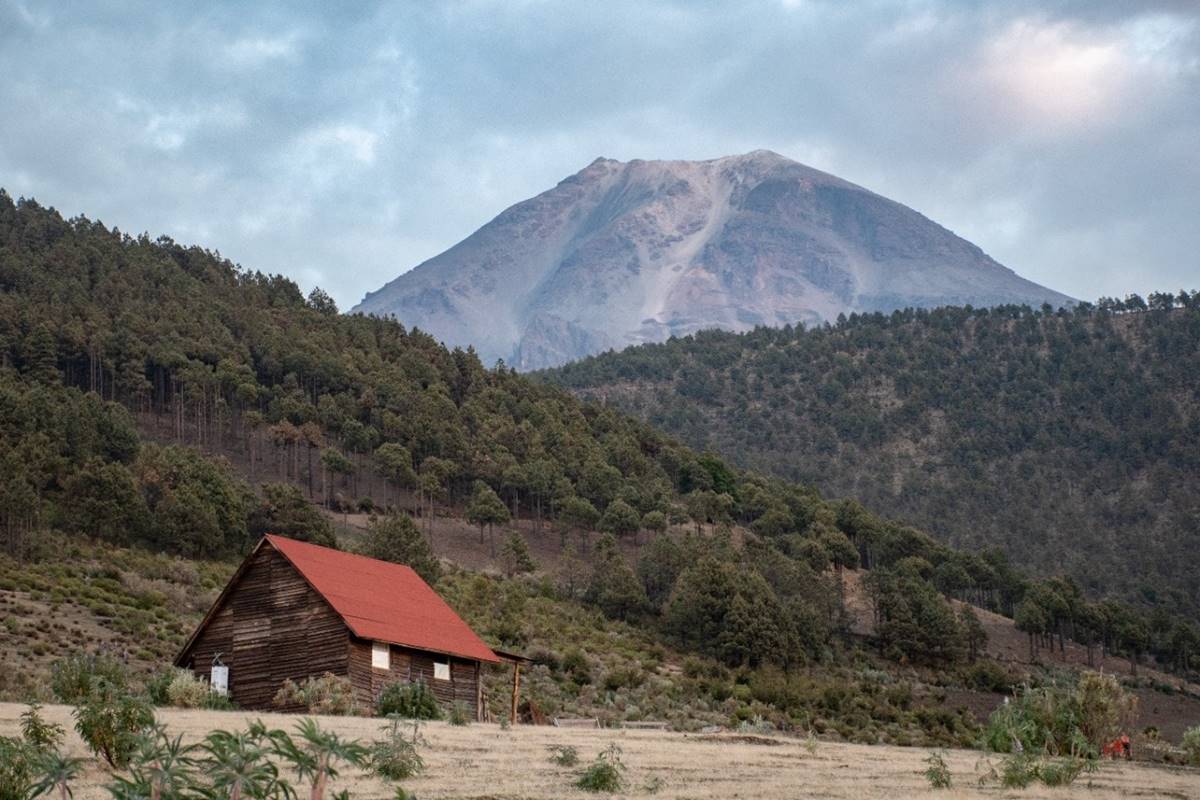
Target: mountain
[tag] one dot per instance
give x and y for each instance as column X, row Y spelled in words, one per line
column 626, row 253
column 1070, row 439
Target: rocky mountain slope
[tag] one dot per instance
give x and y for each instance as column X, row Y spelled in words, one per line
column 627, row 253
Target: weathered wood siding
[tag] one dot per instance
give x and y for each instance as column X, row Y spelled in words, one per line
column 410, row 666
column 270, row 627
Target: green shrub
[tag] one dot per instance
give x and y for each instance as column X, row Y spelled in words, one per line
column 75, row 677
column 1018, row 771
column 39, row 734
column 408, row 700
column 241, row 762
column 1057, row 720
column 986, row 675
column 156, row 686
column 1063, row 771
column 459, row 715
column 564, row 755
column 187, row 691
column 395, row 757
column 328, row 694
column 109, row 721
column 16, row 768
column 605, row 774
column 937, row 773
column 1191, row 745
column 575, row 664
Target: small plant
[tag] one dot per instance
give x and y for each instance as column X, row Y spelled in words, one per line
column 811, row 743
column 316, row 756
column 75, row 677
column 1018, row 771
column 159, row 767
column 409, row 700
column 564, row 755
column 458, row 715
column 395, row 757
column 1064, row 771
column 16, row 768
column 937, row 773
column 238, row 765
column 605, row 774
column 110, row 721
column 55, row 772
column 328, row 694
column 185, row 690
column 38, row 733
column 1191, row 745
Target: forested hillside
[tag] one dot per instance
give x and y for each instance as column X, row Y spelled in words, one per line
column 1070, row 439
column 134, row 372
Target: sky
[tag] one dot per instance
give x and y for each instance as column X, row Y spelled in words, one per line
column 342, row 144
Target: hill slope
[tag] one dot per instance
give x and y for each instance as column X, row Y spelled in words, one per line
column 134, row 375
column 1071, row 440
column 625, row 253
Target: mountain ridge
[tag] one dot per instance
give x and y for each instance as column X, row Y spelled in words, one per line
column 633, row 252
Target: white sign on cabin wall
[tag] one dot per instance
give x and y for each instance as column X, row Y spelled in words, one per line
column 220, row 679
column 441, row 671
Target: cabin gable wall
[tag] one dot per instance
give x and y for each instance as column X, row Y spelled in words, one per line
column 271, row 627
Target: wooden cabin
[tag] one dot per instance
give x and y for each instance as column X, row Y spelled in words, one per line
column 297, row 610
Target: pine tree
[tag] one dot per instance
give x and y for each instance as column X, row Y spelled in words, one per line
column 486, row 509
column 514, row 554
column 395, row 538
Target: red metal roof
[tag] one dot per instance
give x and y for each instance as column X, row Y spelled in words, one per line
column 383, row 601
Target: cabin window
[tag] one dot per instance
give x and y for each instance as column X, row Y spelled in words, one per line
column 441, row 670
column 381, row 655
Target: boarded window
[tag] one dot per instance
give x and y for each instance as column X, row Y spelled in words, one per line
column 441, row 671
column 381, row 655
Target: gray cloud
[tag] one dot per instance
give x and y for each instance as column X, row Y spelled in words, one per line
column 343, row 145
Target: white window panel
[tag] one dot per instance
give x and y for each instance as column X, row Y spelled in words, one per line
column 441, row 671
column 381, row 655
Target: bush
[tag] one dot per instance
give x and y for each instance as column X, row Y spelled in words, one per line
column 16, row 769
column 185, row 690
column 38, row 733
column 328, row 694
column 1020, row 770
column 75, row 677
column 605, row 773
column 109, row 721
column 459, row 715
column 1105, row 709
column 1059, row 721
column 408, row 700
column 395, row 757
column 1191, row 745
column 938, row 774
column 986, row 675
column 564, row 755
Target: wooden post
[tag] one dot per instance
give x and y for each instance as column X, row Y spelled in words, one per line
column 478, row 692
column 512, row 718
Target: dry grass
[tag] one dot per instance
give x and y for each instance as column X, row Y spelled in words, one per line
column 483, row 761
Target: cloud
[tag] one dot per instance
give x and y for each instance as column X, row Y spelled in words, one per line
column 343, row 145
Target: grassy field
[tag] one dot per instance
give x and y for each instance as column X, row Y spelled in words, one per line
column 484, row 761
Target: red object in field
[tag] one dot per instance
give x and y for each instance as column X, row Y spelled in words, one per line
column 1118, row 748
column 382, row 601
